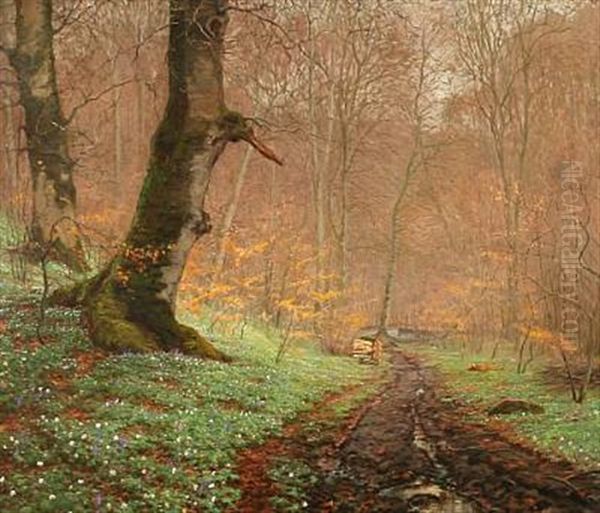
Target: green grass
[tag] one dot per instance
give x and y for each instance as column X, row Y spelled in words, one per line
column 566, row 429
column 153, row 433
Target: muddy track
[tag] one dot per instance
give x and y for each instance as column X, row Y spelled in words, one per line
column 407, row 451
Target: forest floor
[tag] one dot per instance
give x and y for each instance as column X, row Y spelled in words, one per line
column 407, row 449
column 83, row 431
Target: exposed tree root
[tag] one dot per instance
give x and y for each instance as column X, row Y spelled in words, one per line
column 120, row 322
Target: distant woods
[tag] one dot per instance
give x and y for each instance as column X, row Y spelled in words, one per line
column 441, row 161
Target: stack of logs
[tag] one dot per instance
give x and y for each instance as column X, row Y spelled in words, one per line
column 367, row 351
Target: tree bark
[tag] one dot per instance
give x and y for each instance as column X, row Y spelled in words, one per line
column 10, row 147
column 131, row 305
column 54, row 195
column 9, row 180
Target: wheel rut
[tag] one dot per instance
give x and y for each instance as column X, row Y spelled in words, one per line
column 407, row 451
column 388, row 463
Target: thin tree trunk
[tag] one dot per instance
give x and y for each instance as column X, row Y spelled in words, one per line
column 232, row 209
column 234, row 200
column 54, row 196
column 319, row 166
column 269, row 263
column 388, row 288
column 141, row 118
column 392, row 263
column 512, row 271
column 319, row 186
column 117, row 136
column 140, row 94
column 343, row 235
column 416, row 161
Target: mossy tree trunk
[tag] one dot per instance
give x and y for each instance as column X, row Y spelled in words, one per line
column 131, row 306
column 54, row 196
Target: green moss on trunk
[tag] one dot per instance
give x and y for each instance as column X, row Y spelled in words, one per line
column 121, row 322
column 132, row 307
column 123, row 319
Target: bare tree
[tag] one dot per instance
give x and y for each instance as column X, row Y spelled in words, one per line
column 498, row 44
column 419, row 109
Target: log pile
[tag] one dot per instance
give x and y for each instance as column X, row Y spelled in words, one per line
column 367, row 351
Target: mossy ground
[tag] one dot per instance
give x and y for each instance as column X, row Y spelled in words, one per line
column 566, row 429
column 83, row 431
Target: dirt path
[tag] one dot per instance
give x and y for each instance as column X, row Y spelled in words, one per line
column 407, row 451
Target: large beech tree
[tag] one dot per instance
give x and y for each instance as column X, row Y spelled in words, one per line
column 131, row 305
column 54, row 196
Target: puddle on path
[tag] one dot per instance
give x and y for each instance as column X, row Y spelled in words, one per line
column 430, row 498
column 425, row 497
